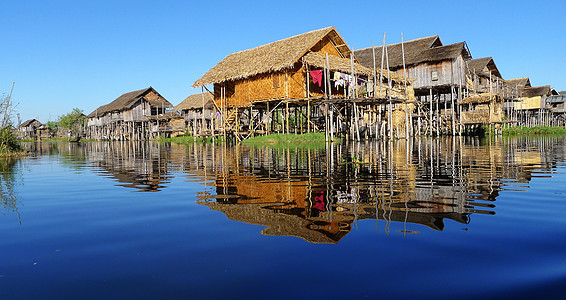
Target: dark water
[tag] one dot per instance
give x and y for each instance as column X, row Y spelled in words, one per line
column 419, row 219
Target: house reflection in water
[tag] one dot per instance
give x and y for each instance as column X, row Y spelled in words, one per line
column 319, row 195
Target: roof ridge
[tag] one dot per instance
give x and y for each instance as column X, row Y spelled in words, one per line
column 288, row 38
column 404, row 42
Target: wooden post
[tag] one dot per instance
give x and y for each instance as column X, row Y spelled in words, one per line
column 326, row 122
column 430, row 112
column 287, row 116
column 452, row 110
column 266, row 118
column 327, row 78
column 353, row 82
column 390, row 104
column 381, row 68
column 438, row 115
column 374, row 70
column 356, row 120
column 331, row 125
column 405, row 82
column 251, row 123
column 308, row 101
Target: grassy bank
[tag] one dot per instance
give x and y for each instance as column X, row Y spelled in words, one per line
column 307, row 138
column 272, row 139
column 187, row 139
column 55, row 139
column 539, row 130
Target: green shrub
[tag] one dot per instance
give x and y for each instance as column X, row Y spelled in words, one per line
column 8, row 141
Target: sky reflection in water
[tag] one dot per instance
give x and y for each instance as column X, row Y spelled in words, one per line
column 424, row 218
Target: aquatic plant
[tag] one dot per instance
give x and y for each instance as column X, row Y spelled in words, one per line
column 287, row 138
column 542, row 130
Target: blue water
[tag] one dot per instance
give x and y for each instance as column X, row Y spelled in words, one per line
column 161, row 221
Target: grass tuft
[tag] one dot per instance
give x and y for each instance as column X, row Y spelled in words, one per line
column 538, row 130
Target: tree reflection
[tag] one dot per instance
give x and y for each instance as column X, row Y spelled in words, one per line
column 9, row 179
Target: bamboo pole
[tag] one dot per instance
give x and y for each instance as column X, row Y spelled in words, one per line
column 390, row 104
column 452, row 110
column 7, row 108
column 270, row 116
column 327, row 78
column 438, row 114
column 308, row 100
column 374, row 70
column 381, row 68
column 405, row 82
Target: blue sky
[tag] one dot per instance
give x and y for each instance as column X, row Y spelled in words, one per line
column 66, row 54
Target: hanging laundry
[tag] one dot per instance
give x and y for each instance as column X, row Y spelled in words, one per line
column 336, row 75
column 347, row 78
column 319, row 203
column 339, row 82
column 370, row 86
column 316, row 77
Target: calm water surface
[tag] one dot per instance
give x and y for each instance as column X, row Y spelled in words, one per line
column 419, row 219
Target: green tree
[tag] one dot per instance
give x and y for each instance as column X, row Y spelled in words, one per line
column 52, row 125
column 73, row 120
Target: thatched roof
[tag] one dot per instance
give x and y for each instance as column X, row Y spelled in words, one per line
column 276, row 223
column 518, row 82
column 478, row 66
column 127, row 100
column 196, row 102
column 31, row 122
column 481, row 98
column 318, row 60
column 537, row 91
column 415, row 53
column 413, row 49
column 445, row 52
column 268, row 58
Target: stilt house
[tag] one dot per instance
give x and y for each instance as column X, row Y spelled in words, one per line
column 256, row 89
column 431, row 64
column 518, row 84
column 557, row 107
column 483, row 76
column 531, row 108
column 198, row 112
column 481, row 109
column 272, row 71
column 132, row 116
column 29, row 129
column 439, row 76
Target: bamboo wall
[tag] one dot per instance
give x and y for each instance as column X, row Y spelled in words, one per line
column 483, row 113
column 529, row 103
column 262, row 191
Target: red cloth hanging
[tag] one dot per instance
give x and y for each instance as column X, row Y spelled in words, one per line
column 316, row 77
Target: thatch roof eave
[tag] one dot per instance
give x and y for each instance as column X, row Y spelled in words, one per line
column 269, row 58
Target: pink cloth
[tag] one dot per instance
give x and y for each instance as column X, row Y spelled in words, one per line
column 319, row 203
column 316, row 77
